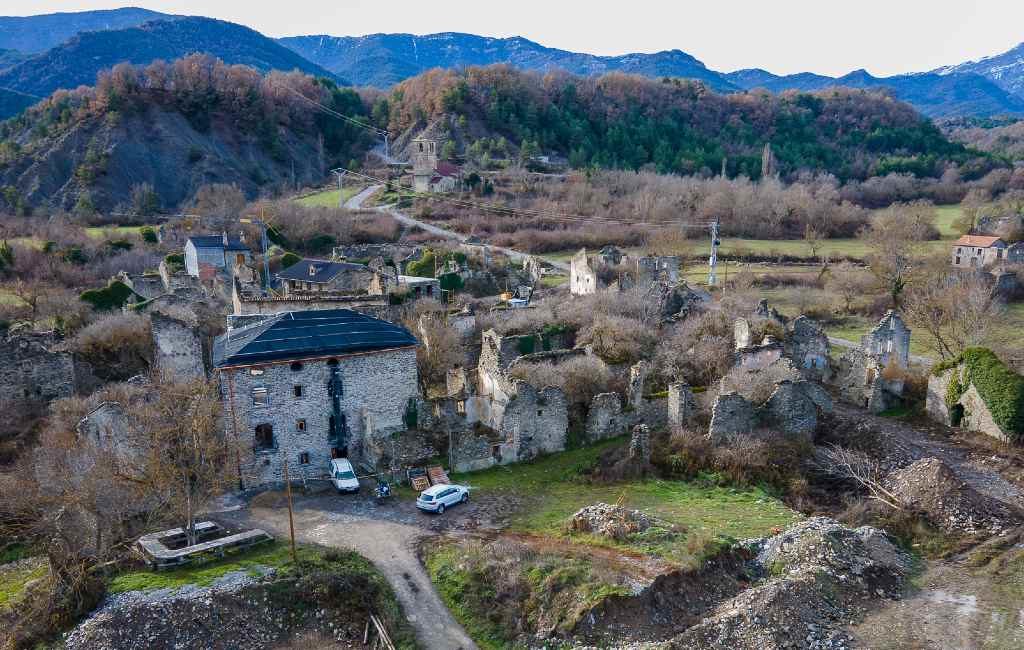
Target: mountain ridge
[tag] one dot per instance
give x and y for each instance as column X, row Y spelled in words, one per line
column 36, row 34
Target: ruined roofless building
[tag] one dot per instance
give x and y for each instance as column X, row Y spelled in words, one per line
column 312, row 386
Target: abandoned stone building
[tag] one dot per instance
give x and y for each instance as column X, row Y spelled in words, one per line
column 871, row 376
column 314, row 385
column 610, row 269
column 35, row 366
column 582, row 277
column 807, row 346
column 955, row 400
column 977, row 251
column 253, row 301
column 429, row 172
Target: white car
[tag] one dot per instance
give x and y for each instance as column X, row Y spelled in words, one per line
column 438, row 497
column 343, row 476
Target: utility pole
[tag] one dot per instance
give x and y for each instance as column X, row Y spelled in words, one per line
column 291, row 519
column 340, row 173
column 265, row 242
column 713, row 260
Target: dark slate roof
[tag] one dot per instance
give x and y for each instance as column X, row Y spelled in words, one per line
column 217, row 241
column 308, row 334
column 325, row 270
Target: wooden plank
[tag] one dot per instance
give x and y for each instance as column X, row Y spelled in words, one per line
column 420, row 483
column 438, row 475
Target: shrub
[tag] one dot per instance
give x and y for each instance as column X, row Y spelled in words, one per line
column 113, row 296
column 175, row 262
column 289, row 259
column 118, row 346
column 148, row 235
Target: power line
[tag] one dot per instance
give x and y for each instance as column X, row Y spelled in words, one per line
column 340, row 116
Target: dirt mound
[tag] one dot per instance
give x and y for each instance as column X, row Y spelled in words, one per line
column 816, row 576
column 614, row 522
column 930, row 486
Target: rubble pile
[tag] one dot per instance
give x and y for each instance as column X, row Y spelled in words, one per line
column 816, row 576
column 614, row 522
column 238, row 610
column 931, row 487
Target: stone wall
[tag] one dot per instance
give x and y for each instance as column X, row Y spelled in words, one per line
column 970, row 411
column 732, row 415
column 604, row 418
column 789, row 411
column 888, row 340
column 535, row 421
column 582, row 278
column 178, row 348
column 377, row 388
column 682, row 408
column 245, row 304
column 807, row 346
column 33, row 367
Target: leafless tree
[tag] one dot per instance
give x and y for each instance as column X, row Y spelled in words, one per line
column 956, row 311
column 844, row 464
column 848, row 282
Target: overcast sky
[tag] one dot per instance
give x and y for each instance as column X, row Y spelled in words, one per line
column 783, row 36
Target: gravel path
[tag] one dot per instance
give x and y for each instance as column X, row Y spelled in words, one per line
column 357, row 201
column 388, row 535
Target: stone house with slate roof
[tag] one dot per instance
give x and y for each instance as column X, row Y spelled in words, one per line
column 312, row 386
column 218, row 252
column 324, row 276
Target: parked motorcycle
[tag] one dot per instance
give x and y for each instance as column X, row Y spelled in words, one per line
column 383, row 491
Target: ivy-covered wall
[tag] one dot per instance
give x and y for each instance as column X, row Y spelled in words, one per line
column 1000, row 387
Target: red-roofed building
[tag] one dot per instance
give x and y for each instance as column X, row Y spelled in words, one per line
column 978, row 251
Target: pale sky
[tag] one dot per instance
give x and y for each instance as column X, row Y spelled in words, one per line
column 783, row 36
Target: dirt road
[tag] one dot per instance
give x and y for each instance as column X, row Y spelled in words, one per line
column 357, row 201
column 388, row 535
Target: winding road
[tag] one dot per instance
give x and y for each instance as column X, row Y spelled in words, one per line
column 356, row 203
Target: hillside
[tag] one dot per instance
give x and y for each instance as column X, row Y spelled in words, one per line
column 625, row 121
column 382, row 60
column 34, row 34
column 79, row 60
column 935, row 95
column 1006, row 70
column 193, row 122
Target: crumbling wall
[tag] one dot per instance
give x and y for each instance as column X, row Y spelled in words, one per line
column 969, row 411
column 807, row 346
column 682, row 408
column 32, row 367
column 888, row 341
column 731, row 415
column 582, row 278
column 604, row 418
column 790, row 411
column 535, row 421
column 178, row 348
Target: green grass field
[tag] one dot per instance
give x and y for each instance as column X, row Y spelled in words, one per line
column 328, row 198
column 553, row 488
column 99, row 232
column 13, row 581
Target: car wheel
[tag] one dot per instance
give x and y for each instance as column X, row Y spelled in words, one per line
column 440, row 509
column 465, row 497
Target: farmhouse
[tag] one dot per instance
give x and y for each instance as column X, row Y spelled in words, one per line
column 978, row 251
column 218, row 252
column 310, row 386
column 324, row 276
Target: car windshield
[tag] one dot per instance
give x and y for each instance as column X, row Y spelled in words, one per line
column 344, row 474
column 426, row 497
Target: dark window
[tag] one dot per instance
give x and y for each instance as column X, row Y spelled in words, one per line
column 264, row 436
column 304, row 458
column 297, row 366
column 540, row 413
column 297, row 390
column 332, row 362
column 260, row 397
column 300, row 425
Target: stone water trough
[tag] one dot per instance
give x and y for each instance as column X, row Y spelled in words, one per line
column 169, row 548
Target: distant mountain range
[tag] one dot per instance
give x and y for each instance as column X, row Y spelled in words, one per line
column 383, row 60
column 935, row 95
column 77, row 61
column 39, row 54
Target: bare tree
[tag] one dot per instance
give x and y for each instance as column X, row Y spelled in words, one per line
column 894, row 238
column 956, row 311
column 848, row 282
column 848, row 465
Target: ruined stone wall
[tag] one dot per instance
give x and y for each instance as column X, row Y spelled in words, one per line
column 807, row 346
column 974, row 414
column 731, row 415
column 377, row 390
column 604, row 418
column 178, row 348
column 889, row 340
column 582, row 278
column 682, row 408
column 30, row 370
column 245, row 305
column 535, row 421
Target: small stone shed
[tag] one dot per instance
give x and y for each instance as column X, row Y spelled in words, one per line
column 978, row 392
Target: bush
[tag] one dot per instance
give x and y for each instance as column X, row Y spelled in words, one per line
column 118, row 346
column 289, row 259
column 111, row 297
column 148, row 235
column 175, row 262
